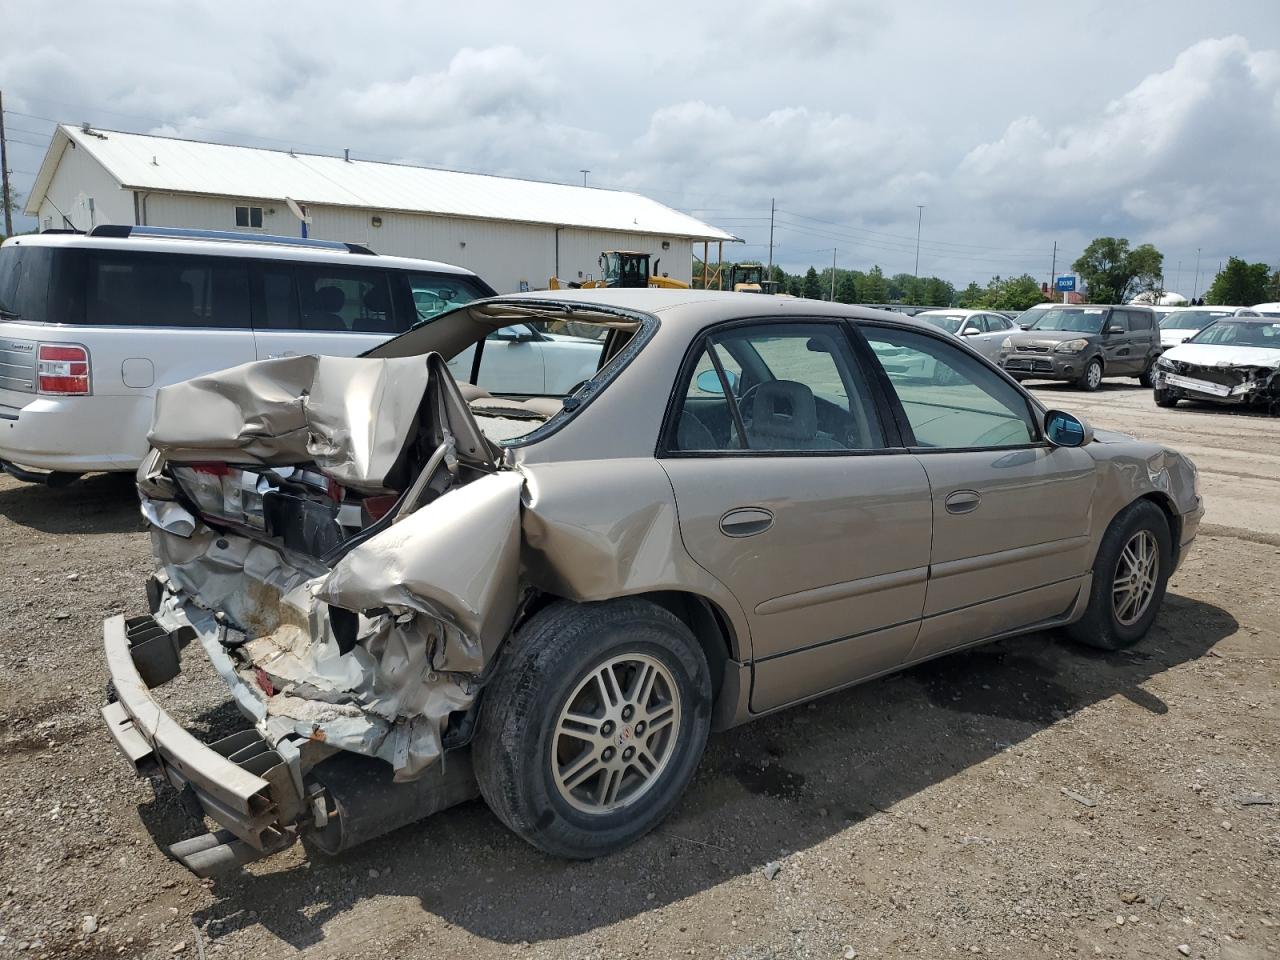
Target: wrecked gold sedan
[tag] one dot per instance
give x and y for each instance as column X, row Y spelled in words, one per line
column 417, row 592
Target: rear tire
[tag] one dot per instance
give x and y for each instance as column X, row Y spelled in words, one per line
column 563, row 754
column 1145, row 378
column 1165, row 398
column 1091, row 376
column 1130, row 574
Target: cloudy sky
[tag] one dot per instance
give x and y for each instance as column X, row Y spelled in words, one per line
column 1014, row 123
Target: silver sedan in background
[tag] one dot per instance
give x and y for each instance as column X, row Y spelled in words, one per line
column 984, row 330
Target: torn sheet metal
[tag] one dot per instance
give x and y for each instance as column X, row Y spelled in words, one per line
column 457, row 560
column 352, row 417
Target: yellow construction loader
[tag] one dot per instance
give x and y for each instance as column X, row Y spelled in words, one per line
column 622, row 268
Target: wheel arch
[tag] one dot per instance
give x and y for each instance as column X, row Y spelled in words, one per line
column 1171, row 515
column 710, row 625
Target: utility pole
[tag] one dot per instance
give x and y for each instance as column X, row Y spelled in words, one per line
column 584, row 176
column 919, row 223
column 1177, row 279
column 1195, row 287
column 4, row 175
column 772, row 207
column 1053, row 266
column 833, row 274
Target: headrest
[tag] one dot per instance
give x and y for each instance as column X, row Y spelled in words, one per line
column 784, row 409
column 331, row 299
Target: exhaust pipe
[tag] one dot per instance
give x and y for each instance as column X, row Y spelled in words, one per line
column 212, row 854
column 365, row 802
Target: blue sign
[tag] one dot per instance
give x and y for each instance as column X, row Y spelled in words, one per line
column 1065, row 284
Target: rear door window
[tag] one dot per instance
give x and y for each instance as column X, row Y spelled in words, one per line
column 161, row 290
column 346, row 299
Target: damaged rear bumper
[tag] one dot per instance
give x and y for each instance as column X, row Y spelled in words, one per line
column 239, row 781
column 264, row 787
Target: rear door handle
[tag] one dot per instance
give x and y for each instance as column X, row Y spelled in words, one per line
column 963, row 501
column 745, row 522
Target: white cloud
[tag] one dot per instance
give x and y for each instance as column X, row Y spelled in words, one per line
column 1188, row 155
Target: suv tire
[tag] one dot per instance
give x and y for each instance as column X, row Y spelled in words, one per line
column 554, row 742
column 1091, row 376
column 1137, row 550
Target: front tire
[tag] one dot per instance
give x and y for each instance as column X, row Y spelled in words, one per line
column 1091, row 376
column 1146, row 379
column 593, row 726
column 1165, row 398
column 1130, row 574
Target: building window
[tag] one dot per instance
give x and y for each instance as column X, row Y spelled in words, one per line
column 249, row 217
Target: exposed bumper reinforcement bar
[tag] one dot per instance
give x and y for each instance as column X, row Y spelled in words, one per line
column 240, row 781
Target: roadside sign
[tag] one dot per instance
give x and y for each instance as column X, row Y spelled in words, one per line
column 1065, row 284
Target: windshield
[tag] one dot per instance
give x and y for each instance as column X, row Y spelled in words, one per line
column 949, row 322
column 1078, row 319
column 1193, row 319
column 1027, row 317
column 1240, row 333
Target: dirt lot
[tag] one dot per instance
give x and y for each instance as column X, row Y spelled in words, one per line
column 1023, row 800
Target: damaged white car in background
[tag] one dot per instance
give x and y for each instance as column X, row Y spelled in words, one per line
column 1234, row 360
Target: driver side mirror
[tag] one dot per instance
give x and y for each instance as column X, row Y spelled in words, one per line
column 1062, row 429
column 970, row 332
column 517, row 334
column 1114, row 328
column 708, row 381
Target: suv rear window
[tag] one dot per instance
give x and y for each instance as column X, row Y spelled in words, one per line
column 24, row 282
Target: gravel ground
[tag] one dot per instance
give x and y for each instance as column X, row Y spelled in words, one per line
column 1025, row 799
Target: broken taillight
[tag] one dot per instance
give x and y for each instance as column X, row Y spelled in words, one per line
column 62, row 369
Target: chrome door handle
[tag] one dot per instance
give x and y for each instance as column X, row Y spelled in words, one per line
column 745, row 522
column 963, row 501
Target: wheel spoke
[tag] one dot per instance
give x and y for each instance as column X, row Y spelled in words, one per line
column 607, row 684
column 660, row 719
column 642, row 688
column 580, row 727
column 583, row 768
column 607, row 790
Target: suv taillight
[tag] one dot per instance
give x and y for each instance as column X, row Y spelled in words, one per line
column 62, row 369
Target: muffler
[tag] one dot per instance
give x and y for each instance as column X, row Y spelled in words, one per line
column 363, row 800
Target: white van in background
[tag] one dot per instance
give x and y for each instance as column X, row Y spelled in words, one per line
column 92, row 324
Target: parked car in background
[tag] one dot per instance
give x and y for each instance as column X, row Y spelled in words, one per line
column 984, row 330
column 525, row 361
column 1234, row 360
column 414, row 598
column 1083, row 344
column 92, row 325
column 1267, row 309
column 1183, row 323
column 1027, row 317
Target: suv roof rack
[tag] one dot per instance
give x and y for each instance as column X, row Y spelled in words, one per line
column 123, row 231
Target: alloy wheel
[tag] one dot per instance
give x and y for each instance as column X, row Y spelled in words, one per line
column 1135, row 580
column 1094, row 373
column 615, row 733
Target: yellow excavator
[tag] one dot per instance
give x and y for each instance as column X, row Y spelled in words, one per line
column 622, row 268
column 747, row 278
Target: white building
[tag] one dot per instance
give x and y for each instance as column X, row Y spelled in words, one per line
column 511, row 232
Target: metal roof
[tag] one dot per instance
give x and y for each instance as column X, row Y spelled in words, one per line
column 169, row 165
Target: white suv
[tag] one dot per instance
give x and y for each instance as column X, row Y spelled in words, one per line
column 92, row 325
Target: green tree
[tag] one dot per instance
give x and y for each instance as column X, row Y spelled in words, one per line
column 1113, row 273
column 1239, row 284
column 936, row 292
column 874, row 288
column 970, row 298
column 794, row 286
column 13, row 202
column 846, row 287
column 811, row 288
column 1012, row 293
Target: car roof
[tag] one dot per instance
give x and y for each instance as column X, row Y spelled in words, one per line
column 703, row 307
column 248, row 247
